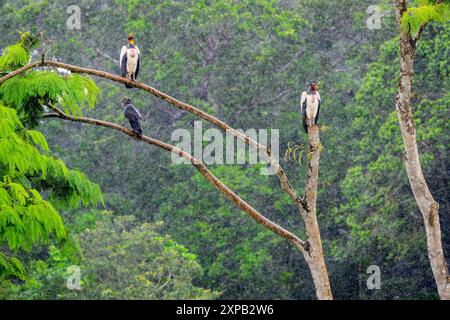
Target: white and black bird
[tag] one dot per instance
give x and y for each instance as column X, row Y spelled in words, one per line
column 130, row 60
column 310, row 106
column 133, row 115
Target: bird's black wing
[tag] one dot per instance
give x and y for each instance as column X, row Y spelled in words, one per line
column 134, row 118
column 316, row 120
column 123, row 65
column 130, row 113
column 136, row 125
column 138, row 66
column 305, row 126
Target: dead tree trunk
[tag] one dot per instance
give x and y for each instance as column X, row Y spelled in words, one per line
column 314, row 257
column 425, row 201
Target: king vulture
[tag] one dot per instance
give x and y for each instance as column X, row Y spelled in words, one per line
column 310, row 106
column 133, row 115
column 130, row 58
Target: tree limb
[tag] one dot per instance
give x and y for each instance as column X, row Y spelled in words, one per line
column 313, row 256
column 204, row 171
column 284, row 181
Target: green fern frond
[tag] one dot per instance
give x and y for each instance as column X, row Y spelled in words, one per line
column 21, row 226
column 19, row 54
column 26, row 165
column 424, row 12
column 10, row 266
column 85, row 191
column 58, row 169
column 18, row 193
column 8, row 217
column 9, row 120
column 5, row 200
column 30, row 91
column 14, row 57
column 38, row 139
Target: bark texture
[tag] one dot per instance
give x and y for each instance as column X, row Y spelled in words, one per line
column 314, row 257
column 425, row 201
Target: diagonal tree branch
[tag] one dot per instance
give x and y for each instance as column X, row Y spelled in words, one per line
column 204, row 171
column 311, row 248
column 284, row 181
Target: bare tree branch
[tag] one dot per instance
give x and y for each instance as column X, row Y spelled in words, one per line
column 311, row 249
column 284, row 181
column 204, row 171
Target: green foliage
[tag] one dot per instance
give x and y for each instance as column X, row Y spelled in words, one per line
column 18, row 55
column 29, row 92
column 148, row 264
column 247, row 62
column 10, row 266
column 74, row 190
column 25, row 217
column 13, row 57
column 45, row 279
column 27, row 167
column 380, row 214
column 21, row 161
column 423, row 12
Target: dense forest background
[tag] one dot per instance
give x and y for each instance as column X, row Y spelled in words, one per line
column 246, row 62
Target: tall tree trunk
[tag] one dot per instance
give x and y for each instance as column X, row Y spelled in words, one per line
column 425, row 201
column 314, row 257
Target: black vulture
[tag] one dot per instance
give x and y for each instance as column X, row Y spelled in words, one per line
column 133, row 115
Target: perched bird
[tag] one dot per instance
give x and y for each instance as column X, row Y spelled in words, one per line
column 310, row 106
column 130, row 60
column 133, row 116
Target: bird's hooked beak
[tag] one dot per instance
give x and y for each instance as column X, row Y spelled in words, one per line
column 126, row 101
column 130, row 38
